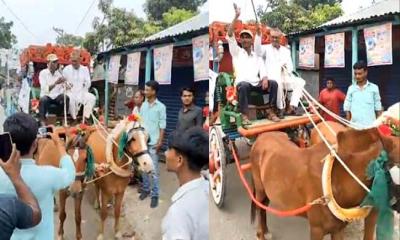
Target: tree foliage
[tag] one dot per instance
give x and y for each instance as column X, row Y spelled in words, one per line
column 7, row 38
column 156, row 8
column 175, row 16
column 119, row 27
column 298, row 15
column 69, row 39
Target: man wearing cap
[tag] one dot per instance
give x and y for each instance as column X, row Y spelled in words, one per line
column 249, row 71
column 278, row 63
column 187, row 217
column 78, row 78
column 51, row 87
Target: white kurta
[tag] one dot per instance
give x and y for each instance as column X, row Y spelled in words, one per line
column 24, row 95
column 46, row 78
column 274, row 60
column 247, row 68
column 79, row 93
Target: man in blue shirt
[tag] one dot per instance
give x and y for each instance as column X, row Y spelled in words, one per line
column 22, row 212
column 154, row 119
column 44, row 181
column 363, row 102
column 187, row 217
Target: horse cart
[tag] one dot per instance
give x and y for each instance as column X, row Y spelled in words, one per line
column 228, row 128
column 34, row 59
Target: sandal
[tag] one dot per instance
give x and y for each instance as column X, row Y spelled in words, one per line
column 246, row 122
column 271, row 116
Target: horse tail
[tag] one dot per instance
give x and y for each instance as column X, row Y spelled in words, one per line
column 253, row 205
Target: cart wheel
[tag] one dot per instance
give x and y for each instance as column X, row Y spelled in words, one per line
column 217, row 164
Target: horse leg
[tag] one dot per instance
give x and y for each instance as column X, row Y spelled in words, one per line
column 262, row 216
column 105, row 198
column 62, row 215
column 97, row 199
column 369, row 225
column 316, row 233
column 78, row 218
column 339, row 235
column 117, row 211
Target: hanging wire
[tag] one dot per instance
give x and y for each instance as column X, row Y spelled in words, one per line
column 84, row 17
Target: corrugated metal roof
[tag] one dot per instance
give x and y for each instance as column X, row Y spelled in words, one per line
column 378, row 9
column 195, row 23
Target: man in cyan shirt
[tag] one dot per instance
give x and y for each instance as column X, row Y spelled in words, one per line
column 187, row 217
column 154, row 118
column 44, row 181
column 331, row 98
column 363, row 101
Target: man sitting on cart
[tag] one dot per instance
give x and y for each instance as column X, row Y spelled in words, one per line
column 78, row 77
column 52, row 87
column 278, row 66
column 249, row 69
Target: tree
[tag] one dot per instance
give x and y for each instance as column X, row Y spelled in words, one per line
column 156, row 8
column 175, row 16
column 310, row 4
column 69, row 39
column 7, row 38
column 290, row 17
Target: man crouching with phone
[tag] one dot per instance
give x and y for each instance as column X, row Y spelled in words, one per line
column 44, row 181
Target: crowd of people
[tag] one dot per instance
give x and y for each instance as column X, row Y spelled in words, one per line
column 186, row 155
column 267, row 68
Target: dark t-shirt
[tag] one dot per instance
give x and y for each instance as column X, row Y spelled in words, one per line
column 13, row 214
column 192, row 117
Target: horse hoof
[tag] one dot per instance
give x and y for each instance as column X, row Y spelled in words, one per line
column 268, row 236
column 118, row 236
column 100, row 237
column 60, row 237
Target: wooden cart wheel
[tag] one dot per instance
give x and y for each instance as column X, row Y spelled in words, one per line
column 217, row 164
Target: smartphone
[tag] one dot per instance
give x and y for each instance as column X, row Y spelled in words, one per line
column 62, row 136
column 5, row 146
column 43, row 132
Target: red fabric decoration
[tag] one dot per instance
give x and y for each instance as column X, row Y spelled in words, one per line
column 231, row 93
column 385, row 130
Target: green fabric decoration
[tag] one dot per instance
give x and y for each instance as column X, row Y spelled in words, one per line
column 89, row 172
column 379, row 196
column 122, row 143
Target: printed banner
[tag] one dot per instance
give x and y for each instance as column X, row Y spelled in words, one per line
column 163, row 64
column 334, row 50
column 132, row 69
column 378, row 42
column 200, row 57
column 113, row 70
column 306, row 52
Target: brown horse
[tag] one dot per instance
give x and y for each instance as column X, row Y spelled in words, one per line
column 115, row 173
column 76, row 147
column 336, row 127
column 47, row 154
column 290, row 177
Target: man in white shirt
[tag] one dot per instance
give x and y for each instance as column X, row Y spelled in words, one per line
column 51, row 87
column 78, row 78
column 187, row 217
column 278, row 63
column 249, row 69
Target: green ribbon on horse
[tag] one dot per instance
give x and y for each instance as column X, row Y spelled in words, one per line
column 122, row 143
column 379, row 196
column 89, row 172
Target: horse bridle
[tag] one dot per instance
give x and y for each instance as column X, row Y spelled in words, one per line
column 141, row 153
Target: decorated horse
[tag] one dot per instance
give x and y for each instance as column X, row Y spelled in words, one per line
column 113, row 154
column 292, row 177
column 47, row 154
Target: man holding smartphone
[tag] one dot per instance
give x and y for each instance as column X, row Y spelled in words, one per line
column 17, row 212
column 44, row 181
